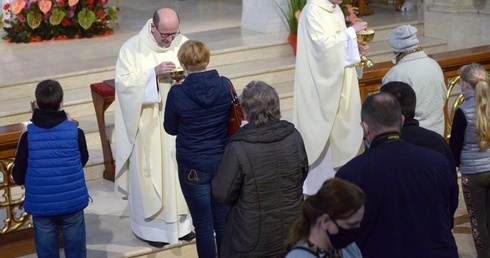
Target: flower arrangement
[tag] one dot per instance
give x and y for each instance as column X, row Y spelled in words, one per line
column 293, row 10
column 291, row 14
column 37, row 20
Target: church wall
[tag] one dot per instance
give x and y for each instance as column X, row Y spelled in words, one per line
column 460, row 29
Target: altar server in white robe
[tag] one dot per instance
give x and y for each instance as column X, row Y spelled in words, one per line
column 146, row 169
column 327, row 102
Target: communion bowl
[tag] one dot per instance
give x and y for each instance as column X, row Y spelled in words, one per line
column 177, row 74
column 365, row 36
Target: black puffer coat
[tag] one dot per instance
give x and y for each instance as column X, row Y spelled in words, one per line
column 261, row 176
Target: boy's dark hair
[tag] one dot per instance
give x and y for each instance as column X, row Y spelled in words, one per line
column 49, row 95
column 405, row 96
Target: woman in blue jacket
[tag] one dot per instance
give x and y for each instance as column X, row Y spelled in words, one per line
column 197, row 112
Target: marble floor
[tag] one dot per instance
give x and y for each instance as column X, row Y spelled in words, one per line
column 216, row 21
column 109, row 233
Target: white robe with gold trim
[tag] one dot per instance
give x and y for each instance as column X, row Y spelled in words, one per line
column 327, row 105
column 146, row 168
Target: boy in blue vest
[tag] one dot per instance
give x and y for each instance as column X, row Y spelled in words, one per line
column 49, row 161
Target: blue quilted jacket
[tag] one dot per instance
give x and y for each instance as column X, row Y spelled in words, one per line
column 55, row 183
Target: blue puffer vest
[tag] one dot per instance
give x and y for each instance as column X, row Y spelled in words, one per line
column 473, row 160
column 55, row 183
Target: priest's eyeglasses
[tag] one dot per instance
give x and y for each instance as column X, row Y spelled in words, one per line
column 166, row 36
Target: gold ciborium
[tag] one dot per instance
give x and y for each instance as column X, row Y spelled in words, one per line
column 365, row 37
column 177, row 74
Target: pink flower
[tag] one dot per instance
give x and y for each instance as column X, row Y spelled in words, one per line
column 18, row 6
column 72, row 2
column 45, row 5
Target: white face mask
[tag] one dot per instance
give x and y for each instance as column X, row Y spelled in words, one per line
column 393, row 59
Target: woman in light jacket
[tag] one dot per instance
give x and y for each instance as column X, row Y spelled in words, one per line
column 470, row 142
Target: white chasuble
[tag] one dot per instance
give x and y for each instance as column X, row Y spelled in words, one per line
column 146, row 167
column 327, row 104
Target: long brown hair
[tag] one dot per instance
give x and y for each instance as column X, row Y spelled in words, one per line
column 338, row 198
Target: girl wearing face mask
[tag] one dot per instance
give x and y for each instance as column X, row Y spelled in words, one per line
column 328, row 223
column 470, row 142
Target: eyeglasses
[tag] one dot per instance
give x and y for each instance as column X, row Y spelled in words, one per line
column 166, row 36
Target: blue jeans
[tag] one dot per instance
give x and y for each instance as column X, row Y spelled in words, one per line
column 208, row 214
column 46, row 235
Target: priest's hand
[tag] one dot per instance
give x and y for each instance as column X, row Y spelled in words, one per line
column 164, row 68
column 363, row 49
column 358, row 26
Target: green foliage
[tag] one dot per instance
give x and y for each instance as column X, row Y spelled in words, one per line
column 57, row 16
column 86, row 18
column 289, row 13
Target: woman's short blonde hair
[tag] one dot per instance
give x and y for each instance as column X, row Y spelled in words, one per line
column 194, row 55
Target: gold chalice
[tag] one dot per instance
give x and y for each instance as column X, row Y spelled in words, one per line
column 365, row 37
column 177, row 74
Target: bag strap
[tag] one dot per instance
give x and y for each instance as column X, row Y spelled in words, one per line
column 304, row 249
column 234, row 96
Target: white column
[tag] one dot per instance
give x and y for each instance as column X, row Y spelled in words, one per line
column 262, row 16
column 458, row 22
column 486, row 10
column 452, row 6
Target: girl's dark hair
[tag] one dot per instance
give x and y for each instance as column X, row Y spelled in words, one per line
column 337, row 198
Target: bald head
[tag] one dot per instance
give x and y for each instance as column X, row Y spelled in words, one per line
column 166, row 19
column 382, row 113
column 165, row 26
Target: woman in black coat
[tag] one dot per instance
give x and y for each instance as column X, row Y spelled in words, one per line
column 261, row 176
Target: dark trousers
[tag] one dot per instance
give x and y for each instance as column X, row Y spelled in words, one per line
column 208, row 214
column 476, row 191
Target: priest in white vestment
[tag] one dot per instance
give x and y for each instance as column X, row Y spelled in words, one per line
column 146, row 168
column 327, row 104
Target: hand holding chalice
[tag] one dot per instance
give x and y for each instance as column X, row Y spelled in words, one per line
column 177, row 74
column 365, row 37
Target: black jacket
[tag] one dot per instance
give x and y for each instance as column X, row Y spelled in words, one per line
column 261, row 176
column 413, row 133
column 411, row 197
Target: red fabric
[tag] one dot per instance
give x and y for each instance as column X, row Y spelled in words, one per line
column 103, row 89
column 292, row 39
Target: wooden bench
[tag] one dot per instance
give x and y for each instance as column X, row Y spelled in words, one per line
column 450, row 63
column 103, row 94
column 16, row 234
